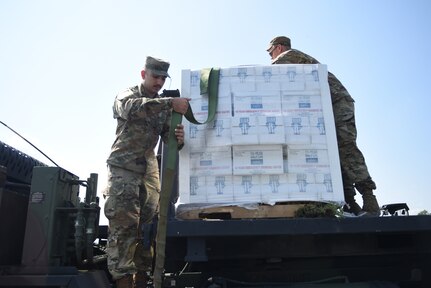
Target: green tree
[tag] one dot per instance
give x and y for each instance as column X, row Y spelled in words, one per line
column 424, row 212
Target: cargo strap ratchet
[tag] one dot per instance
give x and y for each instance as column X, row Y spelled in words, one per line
column 208, row 84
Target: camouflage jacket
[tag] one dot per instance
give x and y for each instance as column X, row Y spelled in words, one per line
column 294, row 56
column 140, row 121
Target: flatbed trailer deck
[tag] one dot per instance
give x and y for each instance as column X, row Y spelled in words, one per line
column 394, row 251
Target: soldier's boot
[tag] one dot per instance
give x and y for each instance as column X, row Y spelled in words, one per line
column 141, row 279
column 370, row 203
column 125, row 282
column 351, row 206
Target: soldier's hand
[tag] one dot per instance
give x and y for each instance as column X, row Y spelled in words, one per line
column 180, row 105
column 179, row 133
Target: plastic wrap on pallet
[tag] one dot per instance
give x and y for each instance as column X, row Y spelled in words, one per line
column 273, row 139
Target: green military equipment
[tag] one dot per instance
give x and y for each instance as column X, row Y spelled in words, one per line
column 60, row 229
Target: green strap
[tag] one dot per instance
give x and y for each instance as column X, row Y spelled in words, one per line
column 208, row 84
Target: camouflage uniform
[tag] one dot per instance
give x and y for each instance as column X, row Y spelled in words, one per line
column 353, row 168
column 132, row 194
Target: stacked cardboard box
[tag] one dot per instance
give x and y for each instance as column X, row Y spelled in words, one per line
column 272, row 140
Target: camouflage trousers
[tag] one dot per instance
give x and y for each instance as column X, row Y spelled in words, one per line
column 353, row 167
column 131, row 200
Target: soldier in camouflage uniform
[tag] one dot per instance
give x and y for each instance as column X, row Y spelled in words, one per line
column 353, row 168
column 132, row 195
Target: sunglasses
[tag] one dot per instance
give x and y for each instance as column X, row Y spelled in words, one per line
column 270, row 52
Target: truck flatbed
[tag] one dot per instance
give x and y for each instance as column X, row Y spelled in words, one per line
column 393, row 251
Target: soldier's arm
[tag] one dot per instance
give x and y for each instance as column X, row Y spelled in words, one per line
column 131, row 107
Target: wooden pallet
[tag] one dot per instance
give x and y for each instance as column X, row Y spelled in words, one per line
column 199, row 211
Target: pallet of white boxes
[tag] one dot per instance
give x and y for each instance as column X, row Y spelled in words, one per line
column 272, row 141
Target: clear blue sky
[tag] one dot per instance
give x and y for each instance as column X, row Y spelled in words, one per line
column 62, row 63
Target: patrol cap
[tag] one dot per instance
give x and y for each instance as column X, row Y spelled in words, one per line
column 283, row 40
column 159, row 67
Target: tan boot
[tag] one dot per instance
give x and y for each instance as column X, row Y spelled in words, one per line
column 125, row 282
column 370, row 203
column 140, row 279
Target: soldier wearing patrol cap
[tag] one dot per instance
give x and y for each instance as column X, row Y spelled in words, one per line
column 132, row 193
column 282, row 40
column 353, row 168
column 157, row 66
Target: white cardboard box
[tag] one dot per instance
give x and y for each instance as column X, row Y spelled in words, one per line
column 218, row 132
column 220, row 189
column 270, row 130
column 247, row 188
column 256, row 103
column 257, row 159
column 197, row 190
column 300, row 105
column 210, row 161
column 274, row 188
column 194, row 135
column 244, row 130
column 308, row 161
column 297, row 130
column 318, row 129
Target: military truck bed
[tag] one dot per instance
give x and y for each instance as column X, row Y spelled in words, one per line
column 390, row 251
